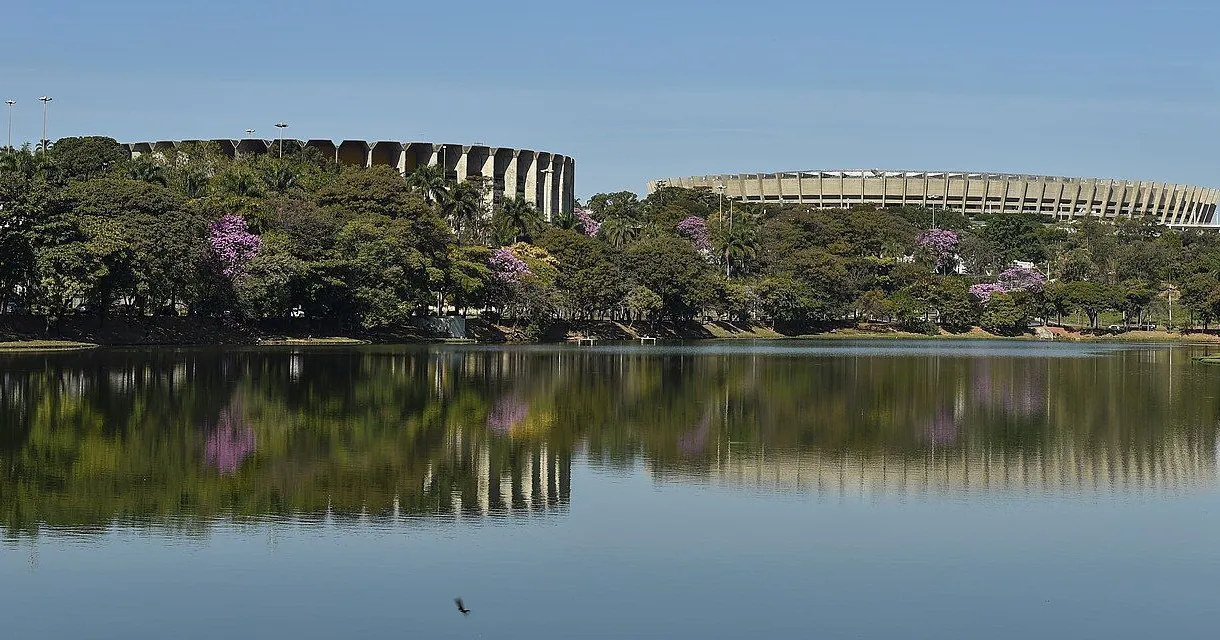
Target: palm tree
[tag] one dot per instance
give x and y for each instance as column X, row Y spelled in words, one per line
column 518, row 220
column 239, row 182
column 619, row 231
column 147, row 171
column 463, row 206
column 279, row 177
column 430, row 182
column 26, row 163
column 738, row 246
column 566, row 221
column 194, row 183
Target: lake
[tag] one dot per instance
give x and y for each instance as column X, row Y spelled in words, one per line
column 923, row 489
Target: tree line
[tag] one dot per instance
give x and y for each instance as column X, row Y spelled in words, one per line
column 85, row 229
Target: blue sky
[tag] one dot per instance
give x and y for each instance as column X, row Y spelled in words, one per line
column 638, row 90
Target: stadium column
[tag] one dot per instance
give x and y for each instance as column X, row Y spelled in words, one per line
column 531, row 179
column 401, row 163
column 510, row 175
column 462, row 164
column 569, row 176
column 489, row 176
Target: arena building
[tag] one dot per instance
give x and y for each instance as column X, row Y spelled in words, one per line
column 1175, row 205
column 544, row 179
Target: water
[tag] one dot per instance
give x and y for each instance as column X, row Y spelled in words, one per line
column 775, row 489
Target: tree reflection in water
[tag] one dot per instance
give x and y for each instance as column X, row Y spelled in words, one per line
column 230, row 442
column 90, row 439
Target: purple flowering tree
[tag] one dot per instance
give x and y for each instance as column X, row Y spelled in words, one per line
column 587, row 223
column 695, row 229
column 983, row 292
column 1013, row 279
column 1022, row 279
column 940, row 245
column 507, row 266
column 233, row 244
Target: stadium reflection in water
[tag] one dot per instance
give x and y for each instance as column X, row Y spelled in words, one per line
column 185, row 438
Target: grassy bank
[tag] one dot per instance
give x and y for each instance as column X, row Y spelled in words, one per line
column 86, row 333
column 44, row 345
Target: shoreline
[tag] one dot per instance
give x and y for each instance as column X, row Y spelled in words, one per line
column 614, row 333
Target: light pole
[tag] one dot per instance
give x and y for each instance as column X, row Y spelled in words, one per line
column 10, row 104
column 44, row 100
column 249, row 133
column 661, row 184
column 281, row 126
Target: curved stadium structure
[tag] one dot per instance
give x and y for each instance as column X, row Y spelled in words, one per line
column 1175, row 205
column 544, row 179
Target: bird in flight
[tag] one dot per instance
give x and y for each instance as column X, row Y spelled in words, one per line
column 461, row 607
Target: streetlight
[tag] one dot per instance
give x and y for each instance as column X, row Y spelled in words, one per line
column 933, row 207
column 281, row 126
column 10, row 104
column 44, row 100
column 661, row 184
column 249, row 133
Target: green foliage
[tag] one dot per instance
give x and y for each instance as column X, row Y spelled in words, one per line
column 1092, row 298
column 1017, row 236
column 643, row 302
column 1002, row 315
column 517, row 221
column 84, row 227
column 671, row 268
column 86, row 157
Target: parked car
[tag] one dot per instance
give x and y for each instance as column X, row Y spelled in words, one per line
column 1115, row 327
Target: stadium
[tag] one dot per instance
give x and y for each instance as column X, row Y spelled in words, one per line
column 1175, row 205
column 544, row 179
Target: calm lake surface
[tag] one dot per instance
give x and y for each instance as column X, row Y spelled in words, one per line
column 920, row 489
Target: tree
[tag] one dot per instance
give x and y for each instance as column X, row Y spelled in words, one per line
column 1198, row 291
column 463, row 207
column 517, row 221
column 1002, row 315
column 589, row 278
column 86, row 157
column 670, row 267
column 623, row 204
column 813, row 287
column 619, row 230
column 954, row 306
column 739, row 246
column 388, row 276
column 146, row 170
column 643, row 303
column 1136, row 296
column 1091, row 298
column 1016, row 235
column 429, row 181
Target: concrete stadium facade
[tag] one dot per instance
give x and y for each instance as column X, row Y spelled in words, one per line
column 1175, row 205
column 545, row 179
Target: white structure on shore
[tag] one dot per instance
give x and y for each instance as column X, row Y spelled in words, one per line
column 1175, row 205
